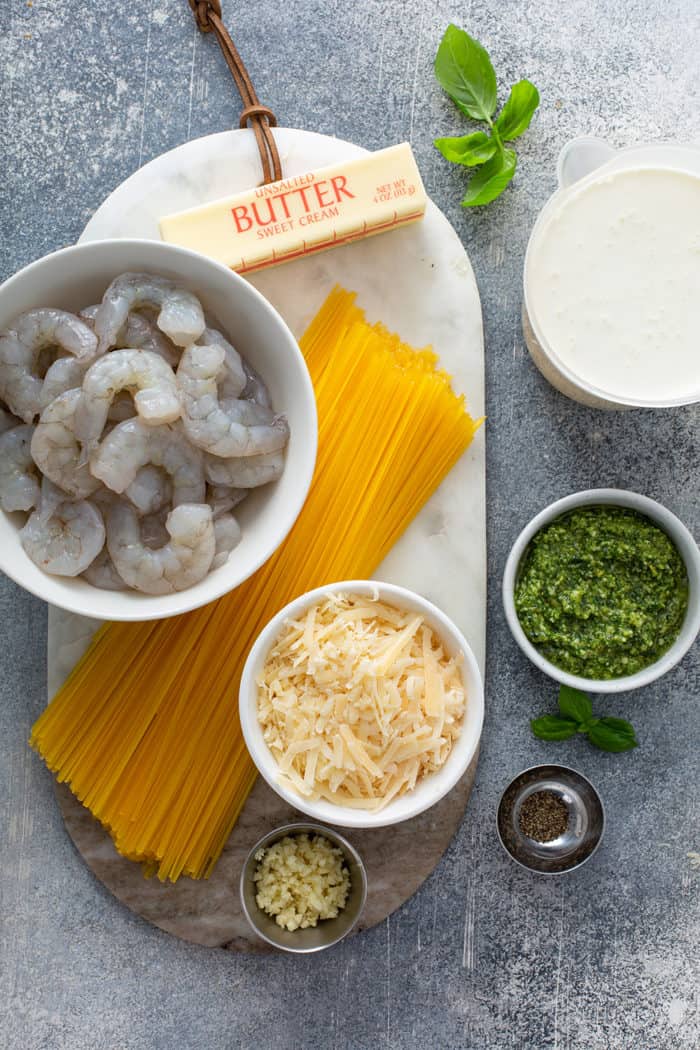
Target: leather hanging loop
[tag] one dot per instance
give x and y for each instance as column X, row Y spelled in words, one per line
column 201, row 12
column 207, row 14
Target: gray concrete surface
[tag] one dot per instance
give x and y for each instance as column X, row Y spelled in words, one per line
column 484, row 957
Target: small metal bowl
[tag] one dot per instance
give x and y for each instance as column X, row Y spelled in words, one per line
column 584, row 830
column 328, row 931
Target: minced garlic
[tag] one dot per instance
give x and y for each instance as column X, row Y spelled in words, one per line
column 358, row 700
column 301, row 879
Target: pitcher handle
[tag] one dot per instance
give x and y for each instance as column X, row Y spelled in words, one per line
column 579, row 157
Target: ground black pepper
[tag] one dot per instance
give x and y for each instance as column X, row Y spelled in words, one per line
column 543, row 816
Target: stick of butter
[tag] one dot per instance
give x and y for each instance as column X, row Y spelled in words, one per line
column 307, row 213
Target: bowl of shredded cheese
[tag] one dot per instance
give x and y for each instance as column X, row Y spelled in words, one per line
column 361, row 704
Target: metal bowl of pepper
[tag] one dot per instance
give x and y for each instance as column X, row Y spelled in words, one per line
column 601, row 590
column 550, row 819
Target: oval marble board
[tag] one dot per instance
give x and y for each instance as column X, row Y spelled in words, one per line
column 419, row 282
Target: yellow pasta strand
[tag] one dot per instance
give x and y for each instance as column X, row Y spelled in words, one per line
column 145, row 730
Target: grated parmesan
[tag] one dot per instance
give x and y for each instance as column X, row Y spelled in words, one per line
column 357, row 701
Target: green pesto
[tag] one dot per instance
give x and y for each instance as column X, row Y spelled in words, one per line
column 601, row 592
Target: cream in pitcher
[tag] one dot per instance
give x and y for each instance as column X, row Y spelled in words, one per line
column 612, row 283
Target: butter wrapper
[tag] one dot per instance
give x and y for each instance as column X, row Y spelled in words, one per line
column 305, row 213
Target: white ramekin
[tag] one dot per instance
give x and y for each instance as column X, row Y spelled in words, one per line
column 78, row 276
column 430, row 789
column 687, row 548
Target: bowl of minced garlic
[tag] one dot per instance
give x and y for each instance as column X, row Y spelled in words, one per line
column 303, row 887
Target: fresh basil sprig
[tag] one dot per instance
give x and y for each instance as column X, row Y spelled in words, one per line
column 607, row 733
column 464, row 70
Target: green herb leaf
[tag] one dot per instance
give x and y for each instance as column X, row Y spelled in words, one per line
column 552, row 727
column 463, row 69
column 517, row 113
column 612, row 734
column 574, row 704
column 469, row 150
column 490, row 180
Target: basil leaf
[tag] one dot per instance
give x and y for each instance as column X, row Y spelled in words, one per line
column 463, row 69
column 517, row 113
column 469, row 150
column 552, row 727
column 574, row 704
column 612, row 734
column 490, row 180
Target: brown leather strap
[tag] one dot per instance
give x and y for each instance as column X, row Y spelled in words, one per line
column 208, row 16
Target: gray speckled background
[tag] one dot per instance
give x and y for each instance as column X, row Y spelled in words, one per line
column 485, row 956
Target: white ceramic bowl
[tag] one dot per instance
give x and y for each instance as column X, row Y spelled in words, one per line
column 687, row 548
column 429, row 790
column 78, row 276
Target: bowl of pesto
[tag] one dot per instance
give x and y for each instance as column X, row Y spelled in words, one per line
column 602, row 590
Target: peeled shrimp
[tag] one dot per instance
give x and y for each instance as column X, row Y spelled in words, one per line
column 101, row 573
column 88, row 314
column 64, row 374
column 131, row 445
column 223, row 499
column 150, row 490
column 55, row 448
column 233, row 378
column 180, row 312
column 255, row 389
column 7, row 420
column 63, row 538
column 19, row 486
column 153, row 531
column 21, row 348
column 156, row 396
column 230, row 428
column 141, row 334
column 248, row 472
column 180, row 563
column 227, row 534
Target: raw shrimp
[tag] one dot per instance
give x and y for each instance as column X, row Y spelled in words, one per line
column 88, row 314
column 156, row 393
column 248, row 472
column 19, row 485
column 21, row 349
column 233, row 378
column 55, row 448
column 233, row 428
column 64, row 374
column 227, row 534
column 150, row 490
column 122, row 408
column 183, row 561
column 131, row 445
column 180, row 312
column 63, row 536
column 67, row 373
column 101, row 573
column 153, row 531
column 141, row 334
column 255, row 389
column 7, row 420
column 222, row 499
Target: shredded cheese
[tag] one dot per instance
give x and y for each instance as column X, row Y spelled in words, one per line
column 357, row 701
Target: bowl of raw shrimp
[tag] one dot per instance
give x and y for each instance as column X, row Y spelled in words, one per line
column 157, row 429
